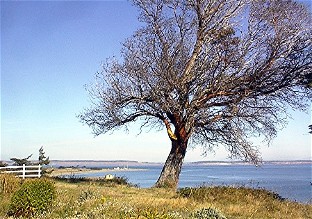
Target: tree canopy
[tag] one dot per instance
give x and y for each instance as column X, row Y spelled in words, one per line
column 21, row 161
column 211, row 72
column 43, row 160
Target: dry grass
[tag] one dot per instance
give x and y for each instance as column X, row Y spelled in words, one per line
column 248, row 203
column 97, row 200
column 8, row 185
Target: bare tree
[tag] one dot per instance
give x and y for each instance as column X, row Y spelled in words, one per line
column 212, row 72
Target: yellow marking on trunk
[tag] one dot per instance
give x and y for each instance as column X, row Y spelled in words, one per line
column 172, row 135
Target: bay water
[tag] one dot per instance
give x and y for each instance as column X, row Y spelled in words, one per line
column 291, row 181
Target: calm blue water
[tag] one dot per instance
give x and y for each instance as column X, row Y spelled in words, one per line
column 290, row 181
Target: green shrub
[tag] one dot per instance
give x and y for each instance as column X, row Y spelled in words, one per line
column 154, row 214
column 208, row 213
column 227, row 194
column 71, row 179
column 34, row 197
column 109, row 182
column 186, row 192
column 86, row 194
column 146, row 213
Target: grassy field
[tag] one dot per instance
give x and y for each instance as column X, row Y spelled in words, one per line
column 98, row 199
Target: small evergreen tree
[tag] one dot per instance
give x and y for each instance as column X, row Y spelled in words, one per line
column 20, row 162
column 43, row 160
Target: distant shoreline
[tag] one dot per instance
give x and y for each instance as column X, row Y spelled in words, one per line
column 76, row 170
column 96, row 165
column 125, row 163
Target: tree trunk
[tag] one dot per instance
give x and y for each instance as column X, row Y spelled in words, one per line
column 170, row 173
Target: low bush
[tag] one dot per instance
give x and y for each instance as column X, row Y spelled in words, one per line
column 86, row 194
column 110, row 182
column 71, row 179
column 34, row 197
column 229, row 194
column 208, row 213
column 146, row 213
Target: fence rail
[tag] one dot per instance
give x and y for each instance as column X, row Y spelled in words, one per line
column 23, row 171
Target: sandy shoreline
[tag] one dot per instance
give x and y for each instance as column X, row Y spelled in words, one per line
column 73, row 171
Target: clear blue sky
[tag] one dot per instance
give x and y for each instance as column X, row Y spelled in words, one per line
column 49, row 50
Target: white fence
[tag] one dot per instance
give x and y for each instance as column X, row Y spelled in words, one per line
column 23, row 171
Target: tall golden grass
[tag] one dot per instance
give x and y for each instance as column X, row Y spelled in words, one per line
column 94, row 199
